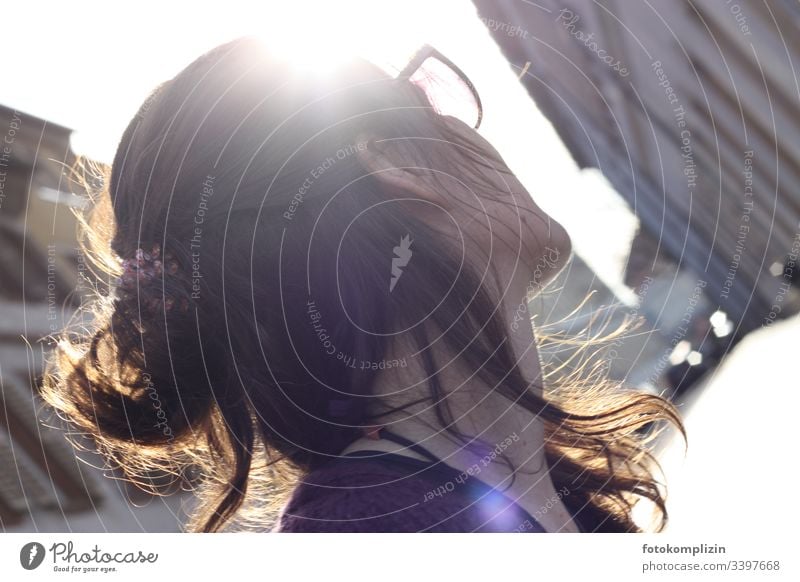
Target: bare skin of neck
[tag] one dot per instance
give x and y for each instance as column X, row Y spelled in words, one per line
column 479, row 411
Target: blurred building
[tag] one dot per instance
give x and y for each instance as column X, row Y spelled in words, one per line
column 44, row 486
column 689, row 109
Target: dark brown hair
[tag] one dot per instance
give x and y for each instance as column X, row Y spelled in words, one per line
column 242, row 169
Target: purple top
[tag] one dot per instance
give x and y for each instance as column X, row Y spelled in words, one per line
column 371, row 491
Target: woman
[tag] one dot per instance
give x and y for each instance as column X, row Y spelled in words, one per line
column 321, row 282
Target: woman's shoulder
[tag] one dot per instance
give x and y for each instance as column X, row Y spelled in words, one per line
column 391, row 493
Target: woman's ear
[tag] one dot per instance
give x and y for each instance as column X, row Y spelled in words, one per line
column 400, row 175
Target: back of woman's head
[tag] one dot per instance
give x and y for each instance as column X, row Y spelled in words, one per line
column 259, row 337
column 276, row 246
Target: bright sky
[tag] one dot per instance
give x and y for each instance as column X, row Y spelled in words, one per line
column 741, row 435
column 89, row 66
